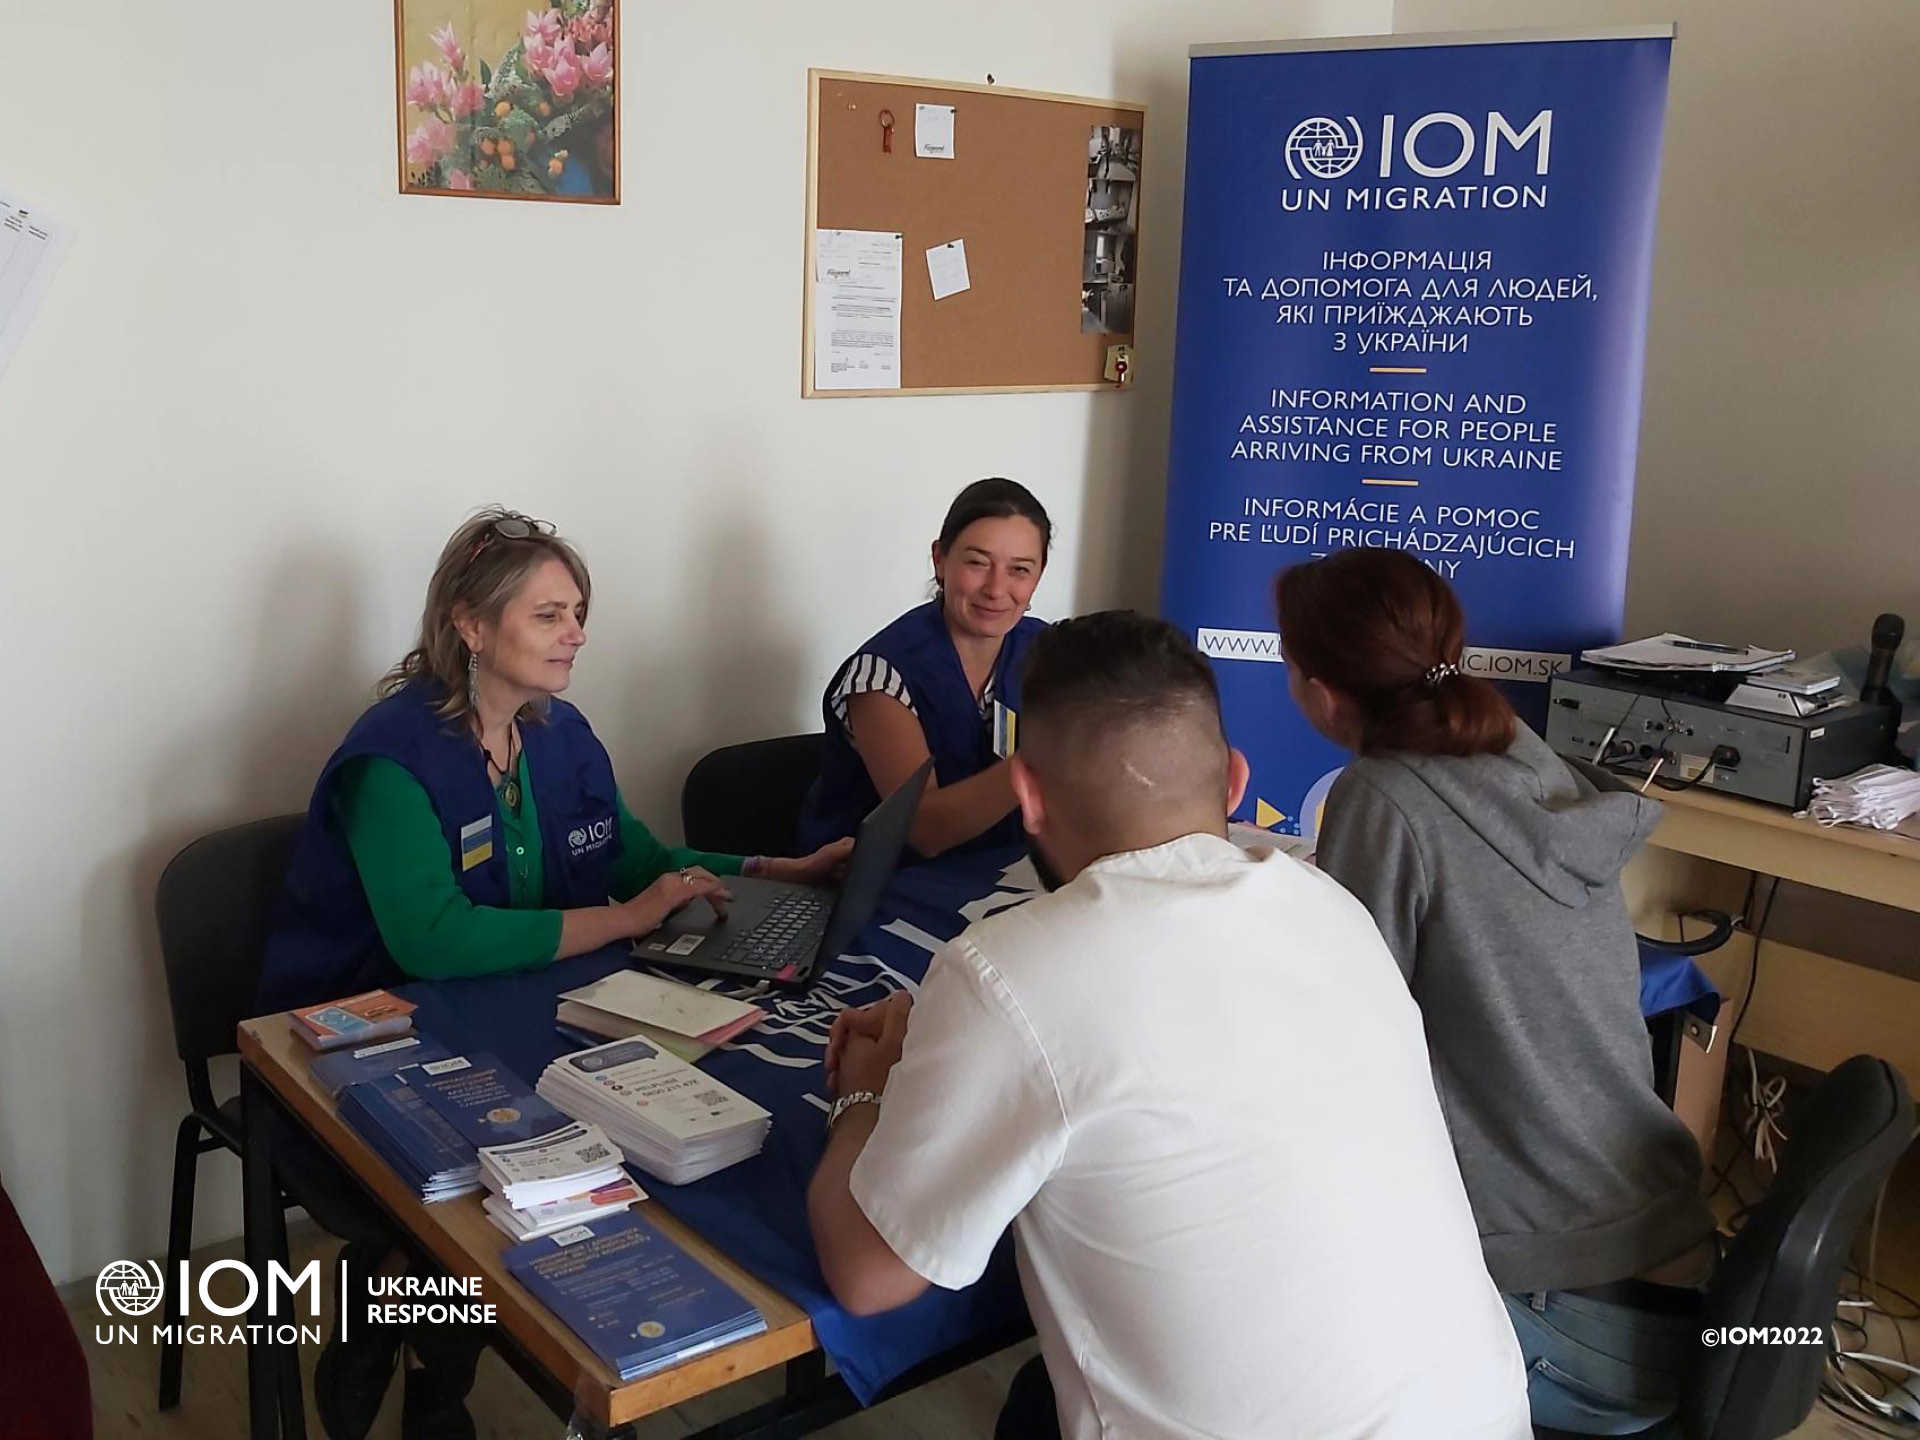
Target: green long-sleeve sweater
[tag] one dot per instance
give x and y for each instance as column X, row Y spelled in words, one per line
column 430, row 927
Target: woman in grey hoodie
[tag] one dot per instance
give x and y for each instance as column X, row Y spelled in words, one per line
column 1492, row 867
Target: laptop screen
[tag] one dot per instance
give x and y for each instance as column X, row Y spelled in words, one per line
column 876, row 851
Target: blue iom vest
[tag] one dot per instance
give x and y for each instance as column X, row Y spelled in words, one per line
column 325, row 943
column 959, row 738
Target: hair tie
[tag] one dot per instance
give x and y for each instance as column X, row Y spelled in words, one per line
column 1440, row 672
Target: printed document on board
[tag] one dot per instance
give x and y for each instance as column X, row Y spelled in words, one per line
column 856, row 310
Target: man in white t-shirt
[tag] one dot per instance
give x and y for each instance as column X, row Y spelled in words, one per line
column 1193, row 1081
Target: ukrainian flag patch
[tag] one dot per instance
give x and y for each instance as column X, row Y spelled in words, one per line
column 476, row 843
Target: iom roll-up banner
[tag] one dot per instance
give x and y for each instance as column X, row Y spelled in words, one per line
column 1413, row 300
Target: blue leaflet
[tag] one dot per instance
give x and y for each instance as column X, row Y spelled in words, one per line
column 639, row 1300
column 483, row 1100
column 406, row 1132
column 341, row 1068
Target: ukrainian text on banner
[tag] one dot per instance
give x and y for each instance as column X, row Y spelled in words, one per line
column 1413, row 300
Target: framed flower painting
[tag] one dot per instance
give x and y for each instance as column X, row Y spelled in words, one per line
column 505, row 102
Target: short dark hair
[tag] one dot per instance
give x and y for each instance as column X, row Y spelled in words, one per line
column 995, row 498
column 1116, row 664
column 1121, row 715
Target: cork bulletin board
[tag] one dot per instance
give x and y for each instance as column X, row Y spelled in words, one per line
column 1042, row 189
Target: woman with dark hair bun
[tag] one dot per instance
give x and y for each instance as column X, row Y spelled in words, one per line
column 929, row 684
column 1492, row 867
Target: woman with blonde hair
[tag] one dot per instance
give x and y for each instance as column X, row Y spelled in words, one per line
column 469, row 824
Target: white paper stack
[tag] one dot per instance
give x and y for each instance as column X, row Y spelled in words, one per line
column 1678, row 654
column 1880, row 796
column 674, row 1122
column 554, row 1180
column 553, row 1215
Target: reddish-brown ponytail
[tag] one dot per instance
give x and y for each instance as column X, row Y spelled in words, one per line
column 1384, row 630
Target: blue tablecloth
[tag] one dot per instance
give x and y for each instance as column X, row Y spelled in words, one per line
column 755, row 1212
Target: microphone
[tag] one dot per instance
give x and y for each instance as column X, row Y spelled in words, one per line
column 1888, row 632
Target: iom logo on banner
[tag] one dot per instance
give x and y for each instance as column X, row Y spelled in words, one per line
column 1323, row 148
column 1435, row 146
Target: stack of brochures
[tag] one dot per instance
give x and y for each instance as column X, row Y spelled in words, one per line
column 356, row 1020
column 545, row 1171
column 638, row 1300
column 412, row 1137
column 337, row 1069
column 683, row 1019
column 672, row 1121
column 431, row 1118
column 555, row 1181
column 482, row 1099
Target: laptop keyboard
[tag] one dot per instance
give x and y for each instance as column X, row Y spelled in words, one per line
column 788, row 935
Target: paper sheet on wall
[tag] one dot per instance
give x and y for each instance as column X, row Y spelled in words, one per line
column 933, row 132
column 947, row 269
column 856, row 310
column 32, row 244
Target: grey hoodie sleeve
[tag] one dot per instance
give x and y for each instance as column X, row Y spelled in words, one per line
column 1367, row 845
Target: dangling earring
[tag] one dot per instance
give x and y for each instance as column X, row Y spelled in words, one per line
column 473, row 682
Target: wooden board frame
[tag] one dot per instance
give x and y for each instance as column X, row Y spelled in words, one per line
column 903, row 137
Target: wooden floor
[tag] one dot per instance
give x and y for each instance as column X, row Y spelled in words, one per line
column 213, row 1403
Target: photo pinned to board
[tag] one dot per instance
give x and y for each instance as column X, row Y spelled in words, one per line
column 1109, row 256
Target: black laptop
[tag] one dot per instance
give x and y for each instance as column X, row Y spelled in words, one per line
column 784, row 933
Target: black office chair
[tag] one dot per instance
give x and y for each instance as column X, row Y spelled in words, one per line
column 215, row 903
column 1783, row 1269
column 745, row 799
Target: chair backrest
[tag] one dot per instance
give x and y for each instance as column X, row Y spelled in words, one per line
column 215, row 902
column 1783, row 1269
column 745, row 799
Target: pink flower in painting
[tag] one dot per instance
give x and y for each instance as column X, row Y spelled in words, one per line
column 459, row 180
column 427, row 87
column 539, row 55
column 598, row 67
column 588, row 32
column 544, row 23
column 431, row 138
column 465, row 98
column 450, row 50
column 564, row 73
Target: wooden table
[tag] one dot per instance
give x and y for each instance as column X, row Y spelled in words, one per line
column 1813, row 1008
column 1866, row 864
column 277, row 1086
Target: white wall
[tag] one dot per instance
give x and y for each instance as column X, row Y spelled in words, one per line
column 1778, row 499
column 265, row 387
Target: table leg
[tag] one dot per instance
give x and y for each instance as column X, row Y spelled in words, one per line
column 260, row 1199
column 293, row 1395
